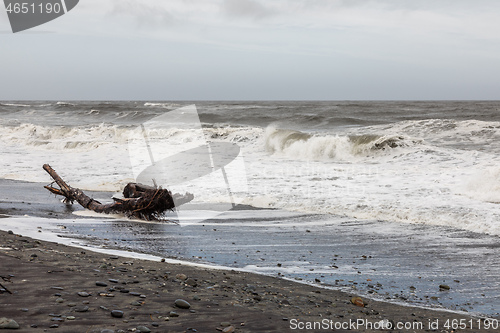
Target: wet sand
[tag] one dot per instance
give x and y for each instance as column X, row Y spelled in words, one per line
column 77, row 290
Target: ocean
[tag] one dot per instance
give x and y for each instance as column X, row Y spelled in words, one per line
column 408, row 191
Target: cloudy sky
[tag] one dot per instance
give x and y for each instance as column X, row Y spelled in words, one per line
column 257, row 50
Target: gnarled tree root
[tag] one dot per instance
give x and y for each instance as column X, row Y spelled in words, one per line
column 140, row 201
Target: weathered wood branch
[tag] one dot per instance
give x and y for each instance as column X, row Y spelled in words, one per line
column 140, row 201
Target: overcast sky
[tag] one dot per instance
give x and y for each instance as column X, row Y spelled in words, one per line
column 257, row 50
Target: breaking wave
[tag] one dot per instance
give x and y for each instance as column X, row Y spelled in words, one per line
column 296, row 144
column 483, row 186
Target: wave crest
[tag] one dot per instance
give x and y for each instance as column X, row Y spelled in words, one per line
column 295, row 144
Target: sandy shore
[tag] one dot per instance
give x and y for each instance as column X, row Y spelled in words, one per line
column 66, row 289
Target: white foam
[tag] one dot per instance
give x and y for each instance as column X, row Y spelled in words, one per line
column 484, row 185
column 163, row 105
column 420, row 179
column 298, row 145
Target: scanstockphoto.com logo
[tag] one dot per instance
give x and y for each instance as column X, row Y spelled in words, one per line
column 172, row 151
column 26, row 14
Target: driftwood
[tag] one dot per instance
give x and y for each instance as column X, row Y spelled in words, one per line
column 140, row 201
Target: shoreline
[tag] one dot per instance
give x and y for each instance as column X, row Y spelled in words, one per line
column 48, row 277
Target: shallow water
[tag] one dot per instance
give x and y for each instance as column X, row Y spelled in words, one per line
column 376, row 259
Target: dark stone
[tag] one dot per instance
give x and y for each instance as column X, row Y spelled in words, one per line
column 180, row 303
column 117, row 313
column 82, row 309
column 101, row 284
column 191, row 282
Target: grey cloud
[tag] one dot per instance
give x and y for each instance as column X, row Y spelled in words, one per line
column 145, row 14
column 246, row 8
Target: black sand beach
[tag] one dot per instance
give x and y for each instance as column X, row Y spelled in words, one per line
column 54, row 286
column 51, row 286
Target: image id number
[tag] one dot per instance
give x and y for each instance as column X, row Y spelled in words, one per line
column 26, row 8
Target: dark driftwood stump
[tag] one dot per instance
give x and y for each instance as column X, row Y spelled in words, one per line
column 140, row 201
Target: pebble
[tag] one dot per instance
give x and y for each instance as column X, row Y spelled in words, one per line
column 54, row 326
column 125, row 291
column 229, row 329
column 117, row 313
column 25, row 310
column 71, row 305
column 173, row 314
column 358, row 301
column 113, row 281
column 181, row 277
column 83, row 294
column 59, row 300
column 7, row 323
column 133, row 293
column 180, row 303
column 70, row 317
column 191, row 282
column 82, row 309
column 101, row 284
column 444, row 287
column 143, row 329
